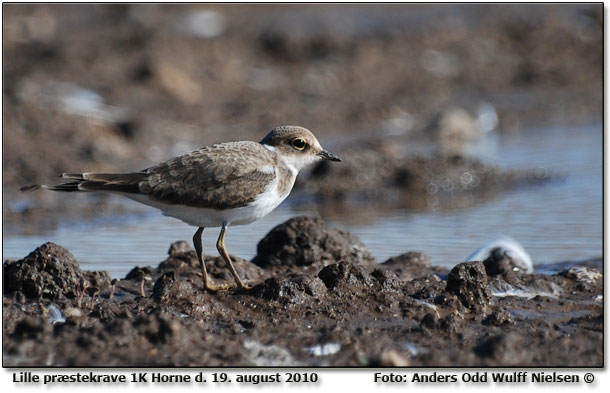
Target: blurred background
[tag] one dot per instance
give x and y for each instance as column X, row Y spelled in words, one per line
column 456, row 123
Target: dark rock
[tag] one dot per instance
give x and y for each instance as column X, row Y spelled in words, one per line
column 499, row 318
column 386, row 279
column 497, row 263
column 500, row 262
column 178, row 248
column 100, row 279
column 161, row 286
column 305, row 241
column 177, row 292
column 343, row 273
column 468, row 281
column 49, row 272
column 295, row 288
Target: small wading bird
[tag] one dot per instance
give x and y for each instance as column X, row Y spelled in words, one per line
column 232, row 183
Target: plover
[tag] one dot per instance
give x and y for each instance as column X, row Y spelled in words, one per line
column 232, row 183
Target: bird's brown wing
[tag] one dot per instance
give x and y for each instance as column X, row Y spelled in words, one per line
column 220, row 176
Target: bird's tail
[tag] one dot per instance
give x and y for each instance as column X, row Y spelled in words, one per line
column 112, row 182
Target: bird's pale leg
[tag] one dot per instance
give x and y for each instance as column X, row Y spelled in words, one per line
column 207, row 282
column 220, row 245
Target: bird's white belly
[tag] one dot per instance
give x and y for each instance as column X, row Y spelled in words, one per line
column 262, row 205
column 202, row 217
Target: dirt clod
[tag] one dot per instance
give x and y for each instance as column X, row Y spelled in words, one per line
column 294, row 288
column 343, row 273
column 306, row 241
column 468, row 281
column 501, row 263
column 50, row 271
column 179, row 248
column 160, row 289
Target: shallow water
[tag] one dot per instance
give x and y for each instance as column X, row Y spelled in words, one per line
column 559, row 221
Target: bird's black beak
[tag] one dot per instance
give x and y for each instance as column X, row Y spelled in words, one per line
column 326, row 155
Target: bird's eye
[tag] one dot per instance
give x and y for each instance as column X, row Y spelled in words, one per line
column 299, row 143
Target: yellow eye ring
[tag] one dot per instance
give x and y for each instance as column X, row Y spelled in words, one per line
column 299, row 143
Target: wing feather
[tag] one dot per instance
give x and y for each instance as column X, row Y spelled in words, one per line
column 218, row 176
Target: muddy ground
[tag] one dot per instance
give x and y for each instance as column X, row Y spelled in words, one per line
column 318, row 299
column 123, row 87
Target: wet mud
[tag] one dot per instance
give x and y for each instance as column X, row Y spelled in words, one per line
column 112, row 88
column 318, row 299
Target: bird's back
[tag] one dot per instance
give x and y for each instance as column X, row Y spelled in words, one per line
column 221, row 176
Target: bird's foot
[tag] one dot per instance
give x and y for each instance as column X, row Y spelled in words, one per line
column 217, row 287
column 244, row 287
column 209, row 286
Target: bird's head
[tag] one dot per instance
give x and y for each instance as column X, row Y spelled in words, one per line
column 297, row 146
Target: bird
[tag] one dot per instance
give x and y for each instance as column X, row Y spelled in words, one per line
column 221, row 185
